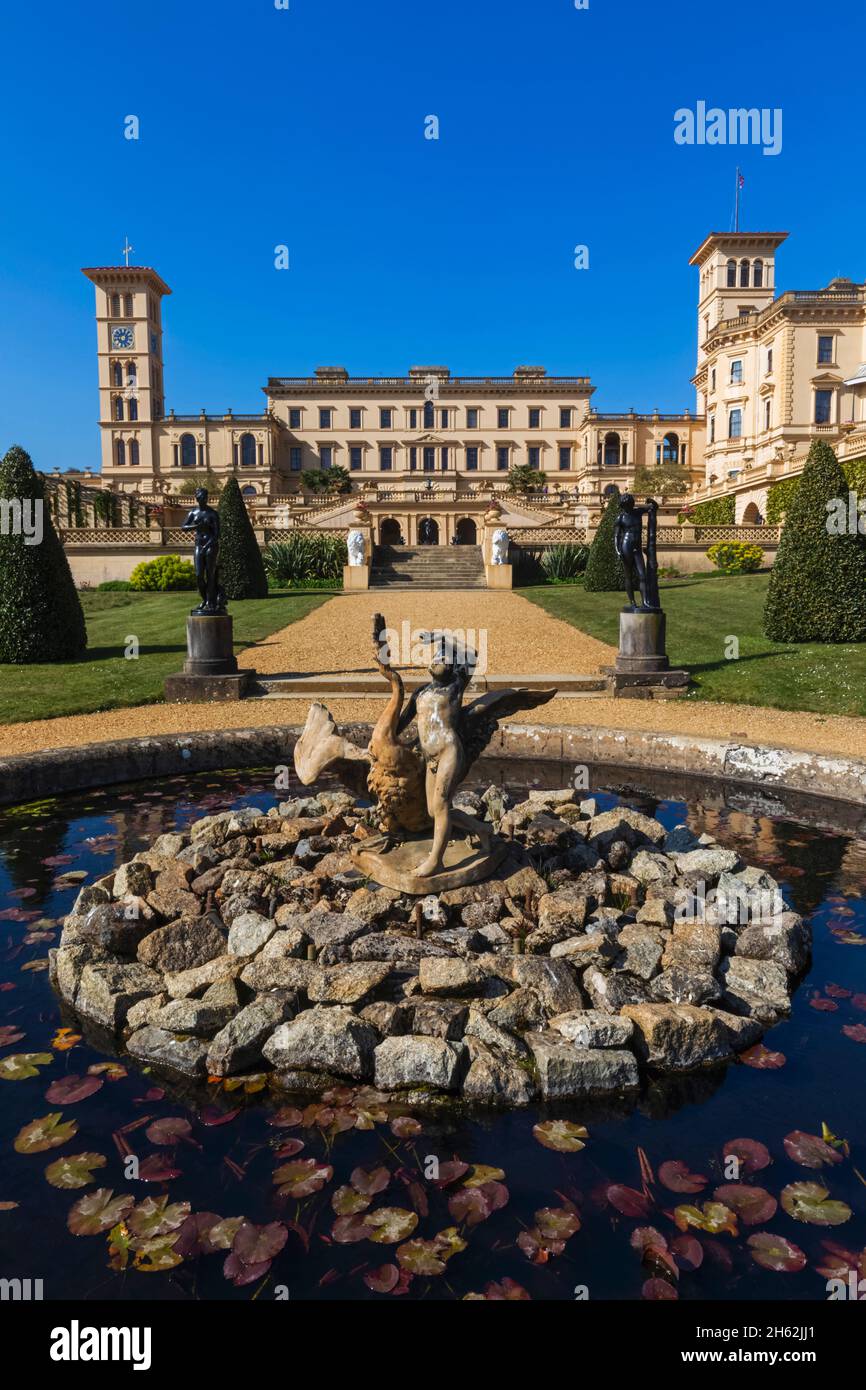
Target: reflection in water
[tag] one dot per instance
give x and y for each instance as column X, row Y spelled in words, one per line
column 221, row 1155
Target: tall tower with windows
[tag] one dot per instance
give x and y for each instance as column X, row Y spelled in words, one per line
column 737, row 278
column 129, row 354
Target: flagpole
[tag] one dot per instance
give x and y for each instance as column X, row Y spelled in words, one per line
column 737, row 204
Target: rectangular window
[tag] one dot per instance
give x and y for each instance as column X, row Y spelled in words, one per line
column 713, row 379
column 356, row 458
column 413, row 419
column 386, row 458
column 429, row 460
column 769, row 361
column 295, row 459
column 385, row 417
column 502, row 417
column 444, row 418
column 502, row 458
column 712, row 429
column 472, row 417
column 354, row 417
column 565, row 417
column 472, row 459
column 444, row 458
column 825, row 349
column 736, row 373
column 295, row 418
column 534, row 417
column 413, row 459
column 735, row 424
column 534, row 456
column 325, row 413
column 823, row 407
column 564, row 457
column 767, row 410
column 326, row 456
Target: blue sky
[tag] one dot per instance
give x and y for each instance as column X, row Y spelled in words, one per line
column 261, row 126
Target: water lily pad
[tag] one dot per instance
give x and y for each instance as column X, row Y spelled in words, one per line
column 659, row 1290
column 350, row 1228
column 472, row 1205
column 158, row 1167
column 627, row 1200
column 753, row 1205
column 421, row 1257
column 676, row 1176
column 74, row 1171
column 112, row 1071
column 751, row 1154
column 391, row 1224
column 776, row 1253
column 482, row 1173
column 713, row 1217
column 301, row 1177
column 254, row 1244
column 69, row 1090
column 370, row 1181
column 450, row 1171
column 204, row 1233
column 98, row 1211
column 809, row 1150
column 48, row 1133
column 20, row 1065
column 169, row 1130
column 9, row 1035
column 156, row 1216
column 557, row 1223
column 382, row 1280
column 156, row 1256
column 406, row 1127
column 855, row 1031
column 811, row 1202
column 688, row 1252
column 347, row 1202
column 561, row 1135
column 761, row 1057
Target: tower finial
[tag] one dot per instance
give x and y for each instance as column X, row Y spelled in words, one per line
column 127, row 250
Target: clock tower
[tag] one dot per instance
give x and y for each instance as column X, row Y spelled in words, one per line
column 129, row 354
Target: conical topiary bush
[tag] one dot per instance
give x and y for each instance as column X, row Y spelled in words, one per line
column 241, row 571
column 604, row 571
column 817, row 590
column 40, row 612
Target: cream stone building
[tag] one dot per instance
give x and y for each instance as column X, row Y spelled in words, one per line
column 774, row 371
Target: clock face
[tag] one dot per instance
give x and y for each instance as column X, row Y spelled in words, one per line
column 122, row 337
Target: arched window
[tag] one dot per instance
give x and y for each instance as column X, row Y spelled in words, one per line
column 248, row 491
column 119, row 453
column 187, row 451
column 671, row 449
column 744, row 275
column 133, row 408
column 758, row 274
column 134, row 456
column 117, row 373
column 611, row 450
column 429, row 415
column 732, row 274
column 118, row 408
column 131, row 374
column 735, row 424
column 248, row 451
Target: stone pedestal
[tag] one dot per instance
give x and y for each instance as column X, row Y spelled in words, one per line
column 499, row 576
column 642, row 670
column 356, row 577
column 210, row 671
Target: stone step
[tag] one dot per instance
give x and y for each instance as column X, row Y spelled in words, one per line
column 370, row 684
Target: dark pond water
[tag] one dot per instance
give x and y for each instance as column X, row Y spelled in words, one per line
column 222, row 1162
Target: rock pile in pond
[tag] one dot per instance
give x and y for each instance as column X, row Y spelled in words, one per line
column 605, row 944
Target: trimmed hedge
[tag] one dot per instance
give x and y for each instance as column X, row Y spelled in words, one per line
column 736, row 557
column 241, row 571
column 41, row 618
column 165, row 574
column 604, row 571
column 718, row 511
column 817, row 590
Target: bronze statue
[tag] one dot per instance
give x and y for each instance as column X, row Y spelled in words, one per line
column 204, row 520
column 641, row 571
column 414, row 780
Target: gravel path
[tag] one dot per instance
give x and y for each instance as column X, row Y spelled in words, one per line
column 521, row 638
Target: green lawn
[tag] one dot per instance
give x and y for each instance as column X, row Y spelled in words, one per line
column 703, row 612
column 105, row 679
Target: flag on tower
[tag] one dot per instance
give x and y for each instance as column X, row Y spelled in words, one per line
column 741, row 179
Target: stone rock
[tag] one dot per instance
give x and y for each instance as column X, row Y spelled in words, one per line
column 499, row 1039
column 618, row 855
column 565, row 1070
column 193, row 1016
column 595, row 948
column 497, row 801
column 590, row 1028
column 222, row 992
column 543, row 829
column 396, row 947
column 367, row 906
column 144, row 1011
column 677, row 1037
column 756, row 988
column 518, row 1011
column 695, row 945
column 133, row 879
column 389, row 1020
column 554, row 981
column 92, row 895
column 280, row 972
column 656, row 912
column 107, row 991
column 523, row 881
column 707, row 863
column 680, row 840
column 742, row 1032
column 327, row 1038
column 453, row 976
column 183, row 983
column 652, row 866
column 563, row 796
column 642, row 956
column 174, row 902
column 437, row 1018
column 622, row 823
column 563, row 911
column 249, row 933
column 417, row 1061
column 161, row 1049
column 108, row 926
column 680, row 985
column 290, row 942
column 182, row 945
column 495, row 937
column 68, row 963
column 576, row 858
column 348, row 984
column 170, row 844
column 482, row 914
column 610, row 992
column 785, row 939
column 238, row 1045
column 494, row 1079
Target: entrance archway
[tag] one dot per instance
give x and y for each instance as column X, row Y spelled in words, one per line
column 751, row 516
column 389, row 532
column 466, row 532
column 428, row 531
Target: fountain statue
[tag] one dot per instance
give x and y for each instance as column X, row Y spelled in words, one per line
column 205, row 521
column 425, row 845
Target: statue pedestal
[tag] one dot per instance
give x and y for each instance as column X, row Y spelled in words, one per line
column 472, row 853
column 210, row 671
column 642, row 670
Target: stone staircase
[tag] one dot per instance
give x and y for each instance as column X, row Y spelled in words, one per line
column 427, row 567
